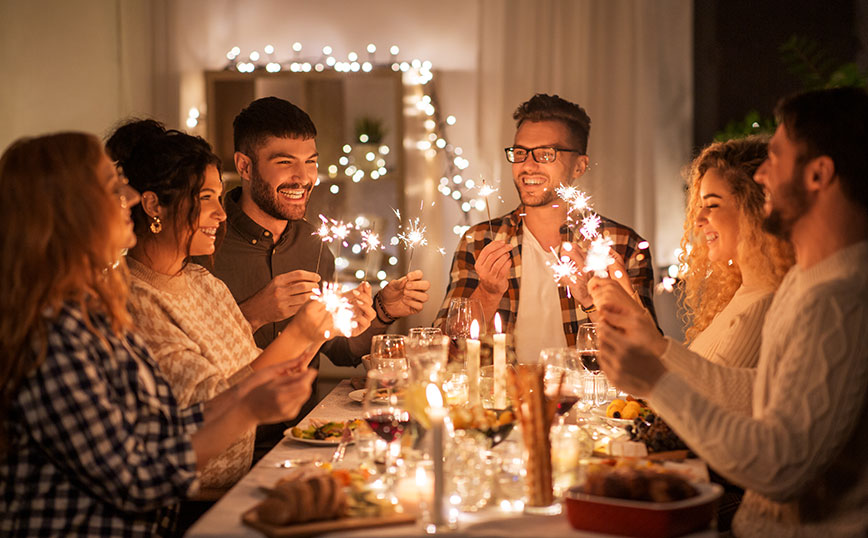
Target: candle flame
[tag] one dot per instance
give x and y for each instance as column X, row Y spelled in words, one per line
column 435, row 399
column 474, row 330
column 498, row 326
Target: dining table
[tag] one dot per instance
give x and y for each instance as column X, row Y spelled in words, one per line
column 224, row 519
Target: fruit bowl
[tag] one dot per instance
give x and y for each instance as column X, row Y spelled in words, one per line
column 609, row 515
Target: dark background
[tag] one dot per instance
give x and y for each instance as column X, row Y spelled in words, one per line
column 737, row 64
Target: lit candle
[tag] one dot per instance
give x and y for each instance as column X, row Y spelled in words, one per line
column 499, row 364
column 473, row 364
column 436, row 415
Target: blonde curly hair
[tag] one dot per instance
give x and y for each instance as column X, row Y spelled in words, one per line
column 708, row 286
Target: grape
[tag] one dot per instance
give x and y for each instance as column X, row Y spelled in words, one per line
column 655, row 433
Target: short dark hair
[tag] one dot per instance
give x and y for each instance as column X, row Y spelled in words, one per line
column 832, row 122
column 269, row 116
column 543, row 107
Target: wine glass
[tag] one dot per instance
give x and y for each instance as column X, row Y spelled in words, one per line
column 388, row 352
column 384, row 409
column 589, row 351
column 427, row 352
column 462, row 311
column 562, row 379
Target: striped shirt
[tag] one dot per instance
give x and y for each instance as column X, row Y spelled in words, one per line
column 510, row 229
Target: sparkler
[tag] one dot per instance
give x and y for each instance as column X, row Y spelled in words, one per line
column 563, row 268
column 599, row 256
column 324, row 233
column 370, row 242
column 484, row 191
column 338, row 306
column 590, row 226
column 412, row 236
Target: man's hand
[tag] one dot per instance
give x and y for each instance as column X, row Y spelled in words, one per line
column 621, row 312
column 279, row 299
column 362, row 306
column 492, row 266
column 405, row 296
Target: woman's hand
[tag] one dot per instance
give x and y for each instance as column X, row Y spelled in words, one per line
column 313, row 322
column 363, row 307
column 276, row 393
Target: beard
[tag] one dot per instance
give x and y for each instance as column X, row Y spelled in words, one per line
column 269, row 200
column 792, row 203
column 545, row 198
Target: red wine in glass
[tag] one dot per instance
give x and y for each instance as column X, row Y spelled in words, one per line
column 387, row 425
column 565, row 403
column 589, row 359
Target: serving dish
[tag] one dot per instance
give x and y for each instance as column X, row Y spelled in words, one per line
column 623, row 517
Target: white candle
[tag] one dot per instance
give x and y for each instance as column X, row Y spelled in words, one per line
column 499, row 364
column 436, row 415
column 473, row 364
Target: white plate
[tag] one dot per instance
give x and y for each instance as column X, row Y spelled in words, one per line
column 357, row 395
column 320, row 442
column 600, row 412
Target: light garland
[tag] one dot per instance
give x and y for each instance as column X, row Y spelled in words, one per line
column 453, row 184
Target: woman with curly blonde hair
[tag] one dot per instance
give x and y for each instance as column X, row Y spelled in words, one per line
column 732, row 267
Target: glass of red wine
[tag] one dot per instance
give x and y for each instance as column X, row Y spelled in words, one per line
column 562, row 380
column 589, row 351
column 383, row 406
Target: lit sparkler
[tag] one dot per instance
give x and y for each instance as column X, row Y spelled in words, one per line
column 590, row 226
column 324, row 233
column 338, row 306
column 370, row 242
column 413, row 236
column 564, row 268
column 484, row 190
column 599, row 256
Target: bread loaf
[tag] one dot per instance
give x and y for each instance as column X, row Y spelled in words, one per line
column 303, row 497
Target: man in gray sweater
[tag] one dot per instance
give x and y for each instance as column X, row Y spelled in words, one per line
column 801, row 454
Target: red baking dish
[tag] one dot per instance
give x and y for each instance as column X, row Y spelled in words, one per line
column 639, row 518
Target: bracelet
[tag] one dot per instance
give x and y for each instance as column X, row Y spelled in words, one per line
column 589, row 310
column 379, row 303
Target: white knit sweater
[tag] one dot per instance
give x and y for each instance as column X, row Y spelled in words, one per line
column 203, row 344
column 801, row 453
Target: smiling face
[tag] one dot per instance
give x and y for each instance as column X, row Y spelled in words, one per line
column 718, row 216
column 536, row 182
column 211, row 214
column 282, row 176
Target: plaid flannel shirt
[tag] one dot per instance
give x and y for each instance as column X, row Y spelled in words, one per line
column 510, row 229
column 98, row 446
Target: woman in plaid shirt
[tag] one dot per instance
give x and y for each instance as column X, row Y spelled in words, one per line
column 93, row 442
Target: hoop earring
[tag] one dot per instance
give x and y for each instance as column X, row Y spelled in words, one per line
column 156, row 226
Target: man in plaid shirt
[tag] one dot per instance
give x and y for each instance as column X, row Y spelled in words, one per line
column 497, row 261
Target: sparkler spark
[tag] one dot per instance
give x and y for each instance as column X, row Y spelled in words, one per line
column 370, row 241
column 563, row 268
column 324, row 231
column 414, row 234
column 485, row 189
column 338, row 306
column 666, row 285
column 590, row 226
column 599, row 256
column 340, row 230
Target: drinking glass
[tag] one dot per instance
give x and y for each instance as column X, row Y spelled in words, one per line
column 589, row 352
column 423, row 333
column 427, row 354
column 462, row 311
column 563, row 379
column 388, row 352
column 384, row 409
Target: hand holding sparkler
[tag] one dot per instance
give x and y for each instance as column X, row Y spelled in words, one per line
column 492, row 267
column 567, row 271
column 280, row 299
column 405, row 296
column 362, row 304
column 331, row 297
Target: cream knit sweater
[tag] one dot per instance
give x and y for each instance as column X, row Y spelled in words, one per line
column 203, row 344
column 801, row 454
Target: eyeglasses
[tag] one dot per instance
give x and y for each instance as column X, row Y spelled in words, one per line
column 544, row 155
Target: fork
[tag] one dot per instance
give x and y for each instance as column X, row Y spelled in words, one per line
column 346, row 437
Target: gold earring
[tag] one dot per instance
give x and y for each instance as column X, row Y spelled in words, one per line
column 156, row 225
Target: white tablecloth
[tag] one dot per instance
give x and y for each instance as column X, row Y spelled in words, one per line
column 224, row 519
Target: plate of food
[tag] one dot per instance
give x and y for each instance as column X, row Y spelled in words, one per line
column 324, row 433
column 309, row 501
column 640, row 501
column 382, row 395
